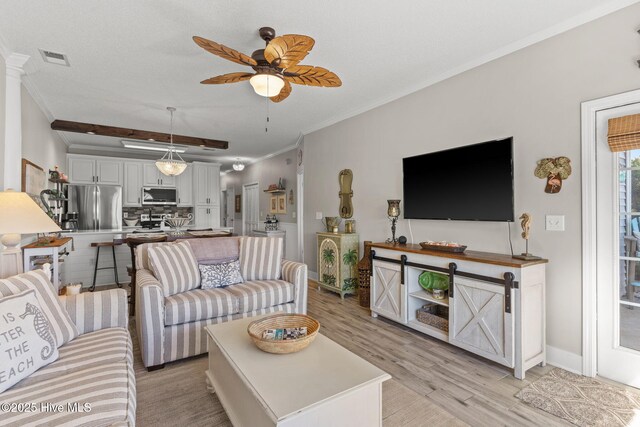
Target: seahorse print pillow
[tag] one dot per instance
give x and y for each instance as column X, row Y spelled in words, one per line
column 27, row 342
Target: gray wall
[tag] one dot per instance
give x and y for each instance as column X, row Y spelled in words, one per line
column 40, row 144
column 2, row 118
column 266, row 172
column 533, row 95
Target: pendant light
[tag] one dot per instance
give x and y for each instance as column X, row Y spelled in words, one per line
column 168, row 164
column 238, row 165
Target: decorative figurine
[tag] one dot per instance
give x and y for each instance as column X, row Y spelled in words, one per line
column 554, row 171
column 525, row 223
column 345, row 178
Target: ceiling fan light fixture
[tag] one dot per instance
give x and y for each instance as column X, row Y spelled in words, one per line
column 267, row 84
column 238, row 165
column 168, row 164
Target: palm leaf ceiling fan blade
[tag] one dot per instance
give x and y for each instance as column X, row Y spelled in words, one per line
column 276, row 65
column 287, row 50
column 227, row 78
column 224, row 52
column 284, row 93
column 312, row 76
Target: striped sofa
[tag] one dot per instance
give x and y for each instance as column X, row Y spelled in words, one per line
column 171, row 327
column 92, row 382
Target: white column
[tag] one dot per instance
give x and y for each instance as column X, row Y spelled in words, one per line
column 11, row 255
column 13, row 121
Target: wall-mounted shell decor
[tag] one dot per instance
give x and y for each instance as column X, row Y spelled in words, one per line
column 554, row 171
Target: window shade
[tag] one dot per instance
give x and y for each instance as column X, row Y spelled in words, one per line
column 624, row 133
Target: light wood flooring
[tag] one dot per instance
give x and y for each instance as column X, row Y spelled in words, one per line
column 433, row 383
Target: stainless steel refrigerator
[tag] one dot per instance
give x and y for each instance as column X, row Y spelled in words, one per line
column 99, row 207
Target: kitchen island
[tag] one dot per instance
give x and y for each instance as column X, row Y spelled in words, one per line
column 80, row 262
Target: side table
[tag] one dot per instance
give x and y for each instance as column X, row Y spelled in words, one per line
column 54, row 252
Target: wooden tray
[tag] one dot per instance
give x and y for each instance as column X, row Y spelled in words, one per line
column 441, row 248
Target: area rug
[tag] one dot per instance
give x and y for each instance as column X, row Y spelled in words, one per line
column 582, row 401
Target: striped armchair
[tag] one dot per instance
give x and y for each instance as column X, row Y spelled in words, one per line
column 94, row 370
column 171, row 327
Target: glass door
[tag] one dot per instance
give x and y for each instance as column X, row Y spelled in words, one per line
column 618, row 255
column 629, row 249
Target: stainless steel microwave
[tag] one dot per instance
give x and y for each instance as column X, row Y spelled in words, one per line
column 159, row 196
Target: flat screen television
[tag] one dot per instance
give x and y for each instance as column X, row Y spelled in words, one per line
column 471, row 183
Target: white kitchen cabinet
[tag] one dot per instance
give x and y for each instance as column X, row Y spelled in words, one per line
column 495, row 306
column 109, row 172
column 152, row 177
column 206, row 183
column 82, row 170
column 387, row 292
column 92, row 170
column 207, row 217
column 132, row 188
column 184, row 184
column 206, row 190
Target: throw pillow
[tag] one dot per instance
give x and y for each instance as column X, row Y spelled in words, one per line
column 26, row 338
column 261, row 258
column 220, row 275
column 175, row 267
column 64, row 330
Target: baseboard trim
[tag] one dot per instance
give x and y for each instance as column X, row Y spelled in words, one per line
column 564, row 359
column 312, row 275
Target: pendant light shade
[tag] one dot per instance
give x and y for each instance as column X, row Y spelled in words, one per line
column 238, row 165
column 266, row 84
column 171, row 164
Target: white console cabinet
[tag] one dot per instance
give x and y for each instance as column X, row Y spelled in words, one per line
column 495, row 305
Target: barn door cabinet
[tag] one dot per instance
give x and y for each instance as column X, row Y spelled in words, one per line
column 337, row 259
column 495, row 306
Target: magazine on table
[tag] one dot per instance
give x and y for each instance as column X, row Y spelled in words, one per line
column 285, row 334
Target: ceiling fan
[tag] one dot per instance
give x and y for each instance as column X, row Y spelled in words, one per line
column 276, row 66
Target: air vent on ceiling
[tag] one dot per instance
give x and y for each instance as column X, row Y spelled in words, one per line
column 54, row 57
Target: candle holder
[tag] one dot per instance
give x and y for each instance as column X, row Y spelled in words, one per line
column 393, row 212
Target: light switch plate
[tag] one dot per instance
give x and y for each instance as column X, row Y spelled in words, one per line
column 318, row 215
column 554, row 223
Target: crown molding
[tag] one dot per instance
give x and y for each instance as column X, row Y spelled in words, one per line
column 569, row 24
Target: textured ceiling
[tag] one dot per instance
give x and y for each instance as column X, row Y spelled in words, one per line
column 130, row 58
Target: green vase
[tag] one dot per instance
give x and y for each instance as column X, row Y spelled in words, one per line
column 430, row 280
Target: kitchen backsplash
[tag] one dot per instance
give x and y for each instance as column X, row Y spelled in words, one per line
column 135, row 212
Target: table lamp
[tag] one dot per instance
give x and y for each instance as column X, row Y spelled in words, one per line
column 19, row 214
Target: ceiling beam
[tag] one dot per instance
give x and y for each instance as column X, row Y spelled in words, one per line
column 143, row 135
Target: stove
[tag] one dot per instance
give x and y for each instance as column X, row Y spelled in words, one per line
column 152, row 221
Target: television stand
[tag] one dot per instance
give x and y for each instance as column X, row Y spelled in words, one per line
column 495, row 306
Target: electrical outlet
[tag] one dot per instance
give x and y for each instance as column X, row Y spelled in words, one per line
column 554, row 223
column 318, row 215
column 293, row 215
column 125, row 214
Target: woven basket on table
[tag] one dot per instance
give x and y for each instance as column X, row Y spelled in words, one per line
column 281, row 321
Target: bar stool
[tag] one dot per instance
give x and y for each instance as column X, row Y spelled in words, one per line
column 114, row 267
column 133, row 243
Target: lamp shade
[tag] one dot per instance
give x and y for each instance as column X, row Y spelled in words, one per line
column 20, row 214
column 266, row 84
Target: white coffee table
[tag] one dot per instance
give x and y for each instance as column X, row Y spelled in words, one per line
column 322, row 385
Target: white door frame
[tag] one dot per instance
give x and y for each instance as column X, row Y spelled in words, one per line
column 589, row 258
column 244, row 204
column 300, row 209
